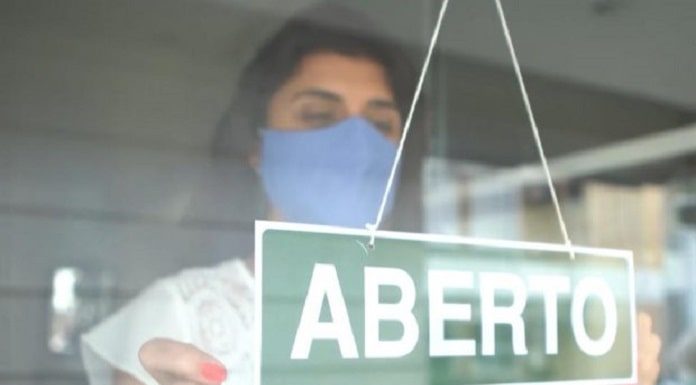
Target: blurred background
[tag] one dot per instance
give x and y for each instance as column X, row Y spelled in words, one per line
column 108, row 109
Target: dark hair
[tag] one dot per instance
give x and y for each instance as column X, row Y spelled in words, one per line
column 326, row 27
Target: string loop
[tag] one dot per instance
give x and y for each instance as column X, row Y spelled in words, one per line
column 535, row 129
column 373, row 227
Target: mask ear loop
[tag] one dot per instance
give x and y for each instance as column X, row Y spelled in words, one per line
column 373, row 227
column 535, row 130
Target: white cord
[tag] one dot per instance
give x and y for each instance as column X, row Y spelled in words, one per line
column 535, row 129
column 433, row 40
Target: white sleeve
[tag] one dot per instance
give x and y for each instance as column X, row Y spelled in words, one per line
column 114, row 343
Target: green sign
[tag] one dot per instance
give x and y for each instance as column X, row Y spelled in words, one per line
column 440, row 310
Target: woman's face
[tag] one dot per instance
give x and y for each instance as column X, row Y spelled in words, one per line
column 330, row 87
column 327, row 88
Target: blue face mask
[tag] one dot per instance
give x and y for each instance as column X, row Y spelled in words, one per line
column 331, row 176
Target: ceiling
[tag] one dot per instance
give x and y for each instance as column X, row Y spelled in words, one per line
column 641, row 47
column 160, row 72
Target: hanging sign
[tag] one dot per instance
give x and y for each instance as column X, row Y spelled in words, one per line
column 440, row 310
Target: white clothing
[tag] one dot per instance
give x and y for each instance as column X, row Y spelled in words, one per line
column 211, row 308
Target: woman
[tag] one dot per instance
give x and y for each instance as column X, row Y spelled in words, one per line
column 334, row 97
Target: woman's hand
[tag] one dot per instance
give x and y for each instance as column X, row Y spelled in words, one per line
column 649, row 345
column 171, row 362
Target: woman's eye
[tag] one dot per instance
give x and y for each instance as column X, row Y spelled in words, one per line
column 317, row 116
column 316, row 119
column 386, row 120
column 384, row 127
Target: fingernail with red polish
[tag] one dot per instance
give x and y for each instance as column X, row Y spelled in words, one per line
column 213, row 372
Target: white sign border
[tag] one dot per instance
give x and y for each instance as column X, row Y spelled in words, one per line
column 260, row 228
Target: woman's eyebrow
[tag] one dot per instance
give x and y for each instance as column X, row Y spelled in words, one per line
column 317, row 93
column 383, row 103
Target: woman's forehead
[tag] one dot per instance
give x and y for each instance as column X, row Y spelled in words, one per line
column 348, row 76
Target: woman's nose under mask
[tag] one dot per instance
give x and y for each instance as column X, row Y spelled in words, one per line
column 334, row 175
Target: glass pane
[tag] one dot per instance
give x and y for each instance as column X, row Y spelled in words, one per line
column 140, row 140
